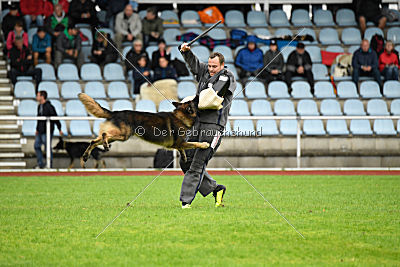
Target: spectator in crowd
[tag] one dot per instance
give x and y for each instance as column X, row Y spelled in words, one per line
column 83, row 11
column 46, row 109
column 164, row 71
column 162, row 51
column 41, row 46
column 57, row 22
column 102, row 51
column 69, row 46
column 32, row 11
column 10, row 20
column 49, row 6
column 128, row 26
column 273, row 59
column 134, row 54
column 17, row 32
column 299, row 64
column 369, row 10
column 152, row 27
column 249, row 60
column 389, row 63
column 143, row 71
column 113, row 8
column 21, row 62
column 365, row 63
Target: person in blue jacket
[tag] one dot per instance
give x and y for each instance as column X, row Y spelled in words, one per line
column 365, row 63
column 249, row 60
column 41, row 46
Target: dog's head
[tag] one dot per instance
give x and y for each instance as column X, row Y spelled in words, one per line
column 189, row 108
column 60, row 144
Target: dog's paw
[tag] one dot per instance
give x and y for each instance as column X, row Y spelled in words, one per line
column 85, row 157
column 205, row 145
column 82, row 163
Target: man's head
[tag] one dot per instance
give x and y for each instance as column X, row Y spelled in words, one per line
column 58, row 10
column 41, row 32
column 128, row 11
column 13, row 9
column 216, row 63
column 151, row 13
column 19, row 26
column 389, row 46
column 300, row 48
column 163, row 62
column 142, row 61
column 365, row 45
column 161, row 44
column 72, row 30
column 41, row 97
column 137, row 46
column 19, row 42
column 273, row 46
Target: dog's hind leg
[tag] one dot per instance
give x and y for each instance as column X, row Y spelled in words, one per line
column 105, row 142
column 71, row 164
column 103, row 163
column 94, row 143
column 96, row 165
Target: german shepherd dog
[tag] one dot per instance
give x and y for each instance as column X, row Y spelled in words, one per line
column 167, row 129
column 76, row 150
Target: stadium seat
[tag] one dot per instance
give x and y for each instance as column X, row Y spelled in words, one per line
column 176, row 54
column 335, row 49
column 169, row 36
column 323, row 18
column 24, row 89
column 384, row 127
column 395, row 107
column 166, row 106
column 197, row 31
column 31, row 32
column 337, row 127
column 286, row 52
column 96, row 126
column 201, row 52
column 353, row 107
column 150, row 49
column 283, row 31
column 351, row 36
column 29, row 128
column 288, row 127
column 80, row 128
column 70, row 90
column 87, row 33
column 393, row 34
column 75, row 108
column 118, row 90
column 237, row 49
column 239, row 108
column 301, row 89
column 142, row 14
column 255, row 90
column 330, row 107
column 301, row 17
column 91, row 72
column 95, row 90
column 122, row 104
column 48, row 73
column 360, row 127
column 64, row 129
column 113, row 72
column 185, row 89
column 243, row 128
column 313, row 127
column 190, row 18
column 108, row 31
column 391, row 89
column 345, row 17
column 320, row 72
column 398, row 126
column 329, row 36
column 125, row 51
column 377, row 107
column 146, row 106
column 228, row 129
column 168, row 17
column 261, row 32
column 226, row 51
column 51, row 89
column 308, row 31
column 278, row 18
column 278, row 89
column 324, row 90
column 27, row 107
column 284, row 107
column 234, row 19
column 261, row 107
column 264, row 48
column 369, row 32
column 217, row 34
column 232, row 68
column 370, row 89
column 103, row 103
column 315, row 53
column 267, row 127
column 256, row 19
column 58, row 107
column 307, row 107
column 347, row 89
column 352, row 49
column 67, row 72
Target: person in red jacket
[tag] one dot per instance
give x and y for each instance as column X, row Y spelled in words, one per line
column 32, row 11
column 389, row 63
column 50, row 4
column 17, row 32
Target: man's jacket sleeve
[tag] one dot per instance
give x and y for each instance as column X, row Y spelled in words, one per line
column 195, row 66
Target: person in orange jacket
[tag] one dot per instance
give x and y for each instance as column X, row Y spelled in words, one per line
column 389, row 63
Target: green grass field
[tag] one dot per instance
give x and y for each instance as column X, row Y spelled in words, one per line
column 54, row 220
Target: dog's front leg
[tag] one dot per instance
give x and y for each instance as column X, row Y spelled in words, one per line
column 183, row 155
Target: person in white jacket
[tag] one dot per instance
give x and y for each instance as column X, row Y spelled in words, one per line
column 128, row 26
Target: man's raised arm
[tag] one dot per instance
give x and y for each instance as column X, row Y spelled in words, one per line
column 194, row 63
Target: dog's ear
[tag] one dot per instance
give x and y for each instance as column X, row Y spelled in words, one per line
column 176, row 104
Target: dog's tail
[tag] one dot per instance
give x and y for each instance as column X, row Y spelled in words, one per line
column 93, row 107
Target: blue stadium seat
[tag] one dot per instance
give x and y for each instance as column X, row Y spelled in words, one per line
column 197, row 31
column 360, row 127
column 255, row 90
column 345, row 17
column 217, row 34
column 384, row 127
column 353, row 49
column 123, row 104
column 329, row 36
column 75, row 108
column 91, row 72
column 370, row 89
column 67, row 72
column 232, row 68
column 169, row 15
column 301, row 89
column 261, row 107
column 315, row 53
column 80, row 128
column 391, row 89
column 166, row 106
column 169, row 36
column 201, row 52
column 393, row 34
column 323, row 18
column 351, row 36
column 125, row 51
column 226, row 51
column 278, row 18
column 237, row 49
column 307, row 107
column 103, row 103
column 369, row 32
column 377, row 107
column 261, row 31
column 278, row 89
column 243, row 128
column 176, row 54
column 150, row 49
column 29, row 128
column 256, row 19
column 96, row 126
column 288, row 127
column 398, row 126
column 286, row 52
column 234, row 19
column 24, row 89
column 113, row 72
column 320, row 72
column 324, row 90
column 337, row 127
column 308, row 31
column 313, row 127
column 347, row 89
column 284, row 107
column 335, row 49
column 31, row 32
column 395, row 107
column 228, row 129
column 264, row 48
column 239, row 108
column 301, row 17
column 58, row 107
column 238, row 94
column 185, row 89
column 330, row 107
column 118, row 90
column 267, row 127
column 353, row 107
column 70, row 90
column 108, row 31
column 142, row 14
column 146, row 106
column 51, row 89
column 48, row 73
column 190, row 18
column 95, row 90
column 88, row 33
column 27, row 107
column 283, row 31
column 63, row 128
